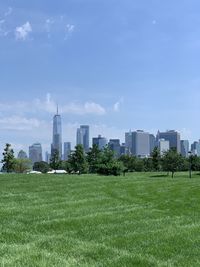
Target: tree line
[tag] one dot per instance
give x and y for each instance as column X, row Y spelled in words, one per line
column 103, row 162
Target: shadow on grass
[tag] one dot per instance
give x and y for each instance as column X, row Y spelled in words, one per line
column 159, row 175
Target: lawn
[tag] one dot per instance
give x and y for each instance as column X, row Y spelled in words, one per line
column 89, row 220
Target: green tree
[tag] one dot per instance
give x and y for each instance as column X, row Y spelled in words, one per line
column 94, row 158
column 55, row 161
column 8, row 159
column 77, row 159
column 156, row 159
column 21, row 165
column 171, row 161
column 41, row 166
column 109, row 165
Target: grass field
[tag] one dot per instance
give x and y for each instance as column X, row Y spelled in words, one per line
column 88, row 220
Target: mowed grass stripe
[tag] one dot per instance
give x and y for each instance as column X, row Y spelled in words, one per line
column 87, row 220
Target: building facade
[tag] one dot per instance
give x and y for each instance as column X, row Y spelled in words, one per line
column 184, row 148
column 56, row 145
column 35, row 153
column 163, row 146
column 67, row 150
column 138, row 143
column 82, row 137
column 114, row 145
column 173, row 137
column 100, row 141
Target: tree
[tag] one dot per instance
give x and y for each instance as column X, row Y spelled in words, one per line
column 171, row 161
column 156, row 159
column 21, row 165
column 93, row 158
column 55, row 161
column 78, row 161
column 109, row 165
column 8, row 159
column 41, row 166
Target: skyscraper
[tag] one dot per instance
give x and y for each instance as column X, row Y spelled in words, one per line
column 100, row 141
column 22, row 155
column 163, row 146
column 82, row 137
column 57, row 135
column 138, row 143
column 184, row 148
column 67, row 150
column 114, row 145
column 173, row 137
column 35, row 153
column 195, row 148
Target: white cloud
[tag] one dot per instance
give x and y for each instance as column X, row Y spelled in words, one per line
column 117, row 105
column 18, row 123
column 22, row 32
column 70, row 28
column 50, row 106
column 8, row 12
column 48, row 26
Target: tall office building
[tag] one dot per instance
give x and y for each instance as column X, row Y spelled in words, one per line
column 67, row 150
column 195, row 148
column 100, row 141
column 114, row 145
column 138, row 143
column 35, row 153
column 57, row 135
column 184, row 148
column 152, row 143
column 163, row 146
column 173, row 137
column 128, row 143
column 82, row 137
column 22, row 155
column 47, row 157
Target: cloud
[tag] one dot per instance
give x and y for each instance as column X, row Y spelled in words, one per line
column 48, row 26
column 8, row 12
column 50, row 106
column 22, row 32
column 70, row 28
column 18, row 123
column 117, row 105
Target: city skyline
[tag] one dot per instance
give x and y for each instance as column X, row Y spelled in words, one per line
column 113, row 66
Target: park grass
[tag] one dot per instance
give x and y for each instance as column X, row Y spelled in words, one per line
column 142, row 219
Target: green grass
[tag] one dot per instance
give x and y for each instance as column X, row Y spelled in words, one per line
column 88, row 220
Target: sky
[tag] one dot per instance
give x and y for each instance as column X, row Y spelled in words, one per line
column 113, row 64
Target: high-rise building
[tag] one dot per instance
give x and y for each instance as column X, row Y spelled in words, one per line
column 67, row 150
column 100, row 141
column 114, row 145
column 173, row 137
column 184, row 148
column 137, row 143
column 82, row 137
column 47, row 157
column 152, row 143
column 195, row 148
column 129, row 143
column 35, row 153
column 22, row 155
column 163, row 146
column 57, row 135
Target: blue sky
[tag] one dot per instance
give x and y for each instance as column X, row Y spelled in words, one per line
column 113, row 64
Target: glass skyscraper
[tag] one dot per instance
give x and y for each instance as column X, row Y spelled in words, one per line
column 82, row 137
column 57, row 135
